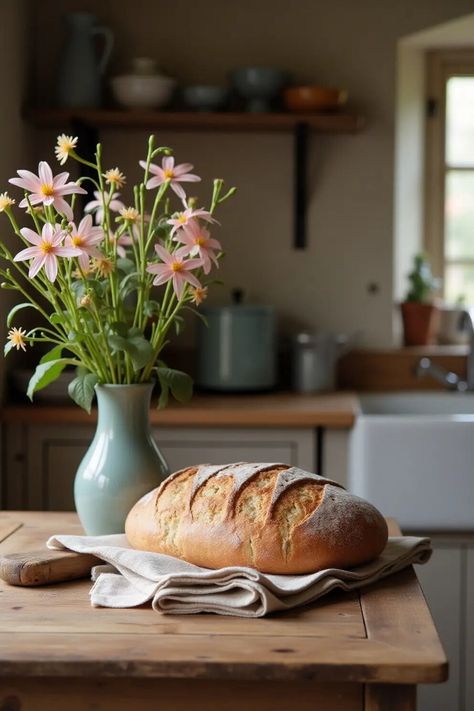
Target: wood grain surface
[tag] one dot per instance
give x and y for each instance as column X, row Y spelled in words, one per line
column 29, row 694
column 324, row 122
column 264, row 410
column 54, row 632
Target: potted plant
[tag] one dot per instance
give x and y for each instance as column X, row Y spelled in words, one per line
column 420, row 313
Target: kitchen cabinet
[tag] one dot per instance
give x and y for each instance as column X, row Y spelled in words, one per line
column 441, row 581
column 468, row 631
column 40, row 461
column 448, row 584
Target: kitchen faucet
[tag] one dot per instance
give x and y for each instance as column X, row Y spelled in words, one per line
column 451, row 380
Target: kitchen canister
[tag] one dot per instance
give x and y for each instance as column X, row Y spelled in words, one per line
column 237, row 348
column 314, row 361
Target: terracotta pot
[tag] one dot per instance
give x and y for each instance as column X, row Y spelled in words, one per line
column 420, row 323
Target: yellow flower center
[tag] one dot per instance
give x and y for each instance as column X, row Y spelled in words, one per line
column 200, row 241
column 168, row 174
column 176, row 266
column 47, row 189
column 182, row 219
column 46, row 247
column 77, row 240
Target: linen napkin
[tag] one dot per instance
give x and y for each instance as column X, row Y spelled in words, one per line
column 133, row 577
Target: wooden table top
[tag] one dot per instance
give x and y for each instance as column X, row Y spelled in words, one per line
column 384, row 634
column 262, row 410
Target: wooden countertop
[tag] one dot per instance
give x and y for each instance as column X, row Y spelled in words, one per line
column 363, row 650
column 263, row 410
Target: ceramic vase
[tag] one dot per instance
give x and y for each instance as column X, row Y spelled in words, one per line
column 123, row 461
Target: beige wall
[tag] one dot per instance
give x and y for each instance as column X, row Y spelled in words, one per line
column 343, row 42
column 13, row 135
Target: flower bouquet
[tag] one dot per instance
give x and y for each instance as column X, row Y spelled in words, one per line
column 92, row 277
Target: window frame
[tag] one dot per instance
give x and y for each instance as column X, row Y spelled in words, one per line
column 441, row 65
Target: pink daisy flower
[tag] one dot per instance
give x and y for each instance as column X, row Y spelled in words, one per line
column 181, row 219
column 47, row 248
column 85, row 238
column 172, row 174
column 47, row 189
column 197, row 241
column 176, row 268
column 97, row 205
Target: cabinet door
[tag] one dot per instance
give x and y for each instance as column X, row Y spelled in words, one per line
column 441, row 580
column 53, row 454
column 469, row 631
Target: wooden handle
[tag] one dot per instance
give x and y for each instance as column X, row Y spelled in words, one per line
column 45, row 567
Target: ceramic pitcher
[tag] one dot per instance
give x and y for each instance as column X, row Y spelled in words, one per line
column 79, row 81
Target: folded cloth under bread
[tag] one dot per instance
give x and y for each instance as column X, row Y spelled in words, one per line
column 133, row 577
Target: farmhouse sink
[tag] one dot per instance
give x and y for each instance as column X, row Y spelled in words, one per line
column 412, row 455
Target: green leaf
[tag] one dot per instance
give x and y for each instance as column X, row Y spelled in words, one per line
column 136, row 346
column 53, row 354
column 60, row 318
column 79, row 289
column 120, row 328
column 150, row 308
column 126, row 265
column 129, row 283
column 45, row 374
column 180, row 384
column 17, row 308
column 81, row 390
column 134, row 331
column 7, row 348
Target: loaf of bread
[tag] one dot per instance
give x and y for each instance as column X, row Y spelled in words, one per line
column 272, row 517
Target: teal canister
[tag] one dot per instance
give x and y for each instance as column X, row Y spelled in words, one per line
column 237, row 348
column 81, row 67
column 123, row 461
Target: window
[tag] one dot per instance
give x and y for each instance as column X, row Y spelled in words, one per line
column 449, row 216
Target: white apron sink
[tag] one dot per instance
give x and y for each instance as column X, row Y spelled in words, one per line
column 412, row 455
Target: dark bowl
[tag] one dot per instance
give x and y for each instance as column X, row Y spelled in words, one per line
column 258, row 85
column 203, row 97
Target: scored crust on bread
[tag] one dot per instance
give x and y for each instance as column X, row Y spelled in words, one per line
column 272, row 517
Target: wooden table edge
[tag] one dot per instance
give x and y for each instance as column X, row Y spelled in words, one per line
column 407, row 670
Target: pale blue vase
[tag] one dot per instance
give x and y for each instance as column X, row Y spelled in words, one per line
column 123, row 461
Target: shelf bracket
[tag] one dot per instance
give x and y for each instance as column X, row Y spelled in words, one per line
column 300, row 198
column 88, row 138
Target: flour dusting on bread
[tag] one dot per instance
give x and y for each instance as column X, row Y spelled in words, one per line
column 276, row 518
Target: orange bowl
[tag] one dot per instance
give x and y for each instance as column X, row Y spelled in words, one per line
column 313, row 98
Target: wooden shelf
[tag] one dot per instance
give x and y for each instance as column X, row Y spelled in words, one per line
column 86, row 124
column 195, row 121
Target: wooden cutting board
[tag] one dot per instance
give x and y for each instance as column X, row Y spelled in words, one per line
column 34, row 568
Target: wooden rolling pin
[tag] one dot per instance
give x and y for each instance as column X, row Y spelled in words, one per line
column 45, row 567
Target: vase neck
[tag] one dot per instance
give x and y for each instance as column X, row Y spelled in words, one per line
column 124, row 408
